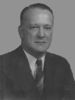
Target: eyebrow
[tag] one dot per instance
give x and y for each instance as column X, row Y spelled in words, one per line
column 48, row 25
column 39, row 24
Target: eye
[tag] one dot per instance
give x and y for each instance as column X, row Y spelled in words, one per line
column 34, row 27
column 47, row 27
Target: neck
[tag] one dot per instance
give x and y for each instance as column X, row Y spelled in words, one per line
column 34, row 53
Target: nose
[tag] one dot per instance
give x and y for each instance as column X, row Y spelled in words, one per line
column 41, row 32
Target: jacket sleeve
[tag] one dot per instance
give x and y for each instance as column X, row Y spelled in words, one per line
column 69, row 83
column 1, row 79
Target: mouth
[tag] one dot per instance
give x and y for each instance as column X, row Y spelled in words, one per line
column 40, row 42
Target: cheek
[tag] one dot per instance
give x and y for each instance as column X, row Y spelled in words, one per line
column 49, row 37
column 31, row 36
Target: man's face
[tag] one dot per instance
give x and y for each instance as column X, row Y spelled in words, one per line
column 36, row 31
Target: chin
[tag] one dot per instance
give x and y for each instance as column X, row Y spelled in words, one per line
column 41, row 50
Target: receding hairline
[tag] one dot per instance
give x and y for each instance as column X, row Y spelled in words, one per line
column 34, row 6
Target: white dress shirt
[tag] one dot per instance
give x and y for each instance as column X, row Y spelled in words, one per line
column 32, row 63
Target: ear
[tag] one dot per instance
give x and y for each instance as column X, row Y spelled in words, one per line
column 20, row 30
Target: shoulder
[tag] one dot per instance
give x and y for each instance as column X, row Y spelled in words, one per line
column 57, row 59
column 12, row 57
column 12, row 53
column 60, row 64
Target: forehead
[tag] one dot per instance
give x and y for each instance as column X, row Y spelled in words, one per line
column 38, row 16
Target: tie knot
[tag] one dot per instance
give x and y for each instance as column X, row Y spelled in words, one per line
column 39, row 62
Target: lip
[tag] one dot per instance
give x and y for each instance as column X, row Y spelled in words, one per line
column 40, row 42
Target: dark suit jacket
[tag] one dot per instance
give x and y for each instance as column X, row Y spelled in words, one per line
column 17, row 82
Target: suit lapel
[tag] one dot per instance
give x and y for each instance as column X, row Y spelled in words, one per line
column 48, row 72
column 22, row 74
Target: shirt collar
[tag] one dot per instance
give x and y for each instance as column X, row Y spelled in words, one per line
column 32, row 59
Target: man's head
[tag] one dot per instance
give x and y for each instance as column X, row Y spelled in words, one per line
column 36, row 27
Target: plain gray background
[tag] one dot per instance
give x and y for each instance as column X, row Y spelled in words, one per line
column 64, row 27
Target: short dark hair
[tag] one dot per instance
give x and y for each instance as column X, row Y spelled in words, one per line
column 35, row 5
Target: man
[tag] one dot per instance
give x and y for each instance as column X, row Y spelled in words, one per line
column 30, row 72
